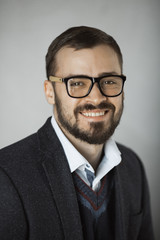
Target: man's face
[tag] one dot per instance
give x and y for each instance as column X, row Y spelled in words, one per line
column 93, row 118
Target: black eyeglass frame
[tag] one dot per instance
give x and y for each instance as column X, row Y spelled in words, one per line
column 93, row 80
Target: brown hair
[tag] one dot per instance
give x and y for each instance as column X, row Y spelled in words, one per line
column 79, row 38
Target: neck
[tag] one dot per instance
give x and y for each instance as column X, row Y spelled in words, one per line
column 92, row 153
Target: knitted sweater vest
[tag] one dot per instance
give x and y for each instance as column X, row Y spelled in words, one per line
column 97, row 209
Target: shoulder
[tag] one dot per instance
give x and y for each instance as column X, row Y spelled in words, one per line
column 128, row 154
column 20, row 145
column 30, row 140
column 126, row 151
column 30, row 151
column 131, row 163
column 19, row 150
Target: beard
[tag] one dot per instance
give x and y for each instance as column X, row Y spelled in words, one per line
column 99, row 132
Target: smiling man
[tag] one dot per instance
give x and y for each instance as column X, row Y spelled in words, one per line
column 71, row 180
column 87, row 111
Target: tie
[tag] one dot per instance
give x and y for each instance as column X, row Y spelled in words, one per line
column 90, row 176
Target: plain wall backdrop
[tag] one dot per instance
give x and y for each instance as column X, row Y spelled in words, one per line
column 26, row 30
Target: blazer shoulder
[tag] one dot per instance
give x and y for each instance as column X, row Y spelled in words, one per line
column 128, row 153
column 27, row 150
column 130, row 159
column 18, row 150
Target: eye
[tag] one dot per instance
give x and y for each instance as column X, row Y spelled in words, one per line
column 76, row 84
column 109, row 82
column 79, row 82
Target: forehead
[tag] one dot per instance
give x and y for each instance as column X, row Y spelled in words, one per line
column 89, row 61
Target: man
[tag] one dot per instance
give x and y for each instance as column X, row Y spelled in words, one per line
column 70, row 180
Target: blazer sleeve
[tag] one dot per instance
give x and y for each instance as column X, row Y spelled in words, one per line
column 136, row 197
column 13, row 224
column 146, row 230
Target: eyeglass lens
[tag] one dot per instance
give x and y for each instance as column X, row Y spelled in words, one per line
column 110, row 86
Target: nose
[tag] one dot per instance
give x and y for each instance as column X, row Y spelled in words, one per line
column 95, row 96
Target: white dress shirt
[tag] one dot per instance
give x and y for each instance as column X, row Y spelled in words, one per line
column 111, row 158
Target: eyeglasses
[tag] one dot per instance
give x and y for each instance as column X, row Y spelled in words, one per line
column 81, row 86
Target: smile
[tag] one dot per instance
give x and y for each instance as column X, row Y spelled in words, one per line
column 93, row 114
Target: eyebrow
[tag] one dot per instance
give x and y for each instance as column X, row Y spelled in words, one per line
column 108, row 73
column 99, row 75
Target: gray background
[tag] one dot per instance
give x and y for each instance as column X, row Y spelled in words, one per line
column 28, row 27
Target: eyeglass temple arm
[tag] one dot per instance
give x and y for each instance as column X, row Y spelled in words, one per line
column 55, row 79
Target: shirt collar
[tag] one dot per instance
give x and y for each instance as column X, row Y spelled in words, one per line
column 111, row 158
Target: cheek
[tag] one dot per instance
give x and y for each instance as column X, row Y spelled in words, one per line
column 117, row 102
column 67, row 103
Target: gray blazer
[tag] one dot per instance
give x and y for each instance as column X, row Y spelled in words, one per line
column 38, row 199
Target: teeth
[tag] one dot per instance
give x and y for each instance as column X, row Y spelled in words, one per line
column 92, row 114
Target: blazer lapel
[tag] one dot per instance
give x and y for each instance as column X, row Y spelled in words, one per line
column 121, row 207
column 123, row 199
column 60, row 180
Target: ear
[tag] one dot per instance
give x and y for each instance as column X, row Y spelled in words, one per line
column 49, row 92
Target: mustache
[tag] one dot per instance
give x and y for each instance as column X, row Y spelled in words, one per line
column 102, row 105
